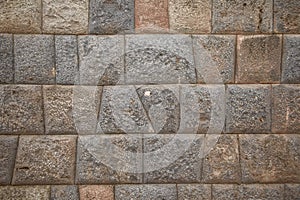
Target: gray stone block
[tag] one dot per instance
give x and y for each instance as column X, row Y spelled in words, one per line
column 64, row 192
column 261, row 191
column 6, row 58
column 25, row 192
column 34, row 59
column 225, row 191
column 21, row 109
column 45, row 160
column 242, row 16
column 101, row 192
column 291, row 191
column 248, row 109
column 194, row 191
column 111, row 17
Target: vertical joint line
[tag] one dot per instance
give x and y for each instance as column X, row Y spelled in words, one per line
column 13, row 59
column 15, row 160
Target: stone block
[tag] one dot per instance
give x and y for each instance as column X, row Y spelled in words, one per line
column 225, row 191
column 258, row 59
column 6, row 58
column 261, row 191
column 101, row 192
column 291, row 191
column 64, row 192
column 194, row 191
column 25, row 192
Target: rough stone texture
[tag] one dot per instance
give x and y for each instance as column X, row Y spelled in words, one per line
column 258, row 59
column 6, row 58
column 261, row 191
column 108, row 159
column 190, row 16
column 248, row 109
column 270, row 158
column 8, row 146
column 194, row 191
column 111, row 17
column 45, row 160
column 291, row 191
column 66, row 17
column 240, row 16
column 214, row 58
column 146, row 192
column 34, row 59
column 101, row 192
column 291, row 59
column 101, row 60
column 286, row 16
column 64, row 192
column 157, row 59
column 221, row 165
column 21, row 109
column 21, row 16
column 25, row 192
column 286, row 109
column 151, row 16
column 225, row 191
column 66, row 59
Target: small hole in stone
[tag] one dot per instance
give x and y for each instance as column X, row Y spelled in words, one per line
column 244, row 4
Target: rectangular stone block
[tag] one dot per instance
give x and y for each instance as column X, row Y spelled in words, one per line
column 20, row 16
column 190, row 16
column 248, row 109
column 242, row 16
column 286, row 109
column 261, row 191
column 194, row 191
column 107, row 159
column 8, row 146
column 34, row 59
column 270, row 158
column 21, row 109
column 64, row 192
column 146, row 192
column 214, row 58
column 286, row 16
column 66, row 59
column 158, row 59
column 258, row 59
column 225, row 191
column 290, row 59
column 291, row 191
column 45, row 160
column 65, row 17
column 103, row 192
column 111, row 17
column 25, row 192
column 6, row 58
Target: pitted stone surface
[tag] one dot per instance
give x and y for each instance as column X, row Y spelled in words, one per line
column 25, row 192
column 21, row 109
column 286, row 109
column 225, row 191
column 64, row 192
column 111, row 17
column 158, row 59
column 270, row 158
column 248, row 109
column 291, row 59
column 251, row 16
column 67, row 17
column 8, row 146
column 190, row 16
column 291, row 191
column 6, row 58
column 45, row 160
column 34, row 59
column 260, row 191
column 258, row 59
column 101, row 192
column 194, row 191
column 20, row 16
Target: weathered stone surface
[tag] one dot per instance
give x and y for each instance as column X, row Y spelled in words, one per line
column 22, row 16
column 101, row 60
column 286, row 16
column 64, row 192
column 111, row 17
column 225, row 191
column 34, row 59
column 66, row 59
column 221, row 165
column 21, row 109
column 109, row 159
column 290, row 59
column 286, row 109
column 194, row 191
column 270, row 158
column 25, row 192
column 258, row 59
column 66, row 17
column 252, row 16
column 45, row 160
column 146, row 192
column 159, row 59
column 214, row 58
column 6, row 58
column 8, row 146
column 190, row 16
column 248, row 109
column 101, row 192
column 291, row 191
column 261, row 191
